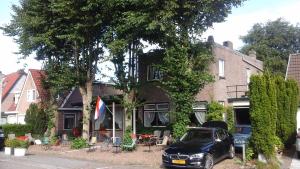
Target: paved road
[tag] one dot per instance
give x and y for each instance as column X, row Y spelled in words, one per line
column 295, row 162
column 53, row 162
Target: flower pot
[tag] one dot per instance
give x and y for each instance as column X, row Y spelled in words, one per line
column 8, row 150
column 19, row 151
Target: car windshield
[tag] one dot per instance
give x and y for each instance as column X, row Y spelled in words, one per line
column 197, row 135
column 243, row 130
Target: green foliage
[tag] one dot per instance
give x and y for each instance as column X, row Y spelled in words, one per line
column 249, row 153
column 127, row 140
column 287, row 100
column 230, row 119
column 79, row 143
column 8, row 143
column 278, row 144
column 273, row 41
column 263, row 114
column 37, row 118
column 215, row 111
column 17, row 129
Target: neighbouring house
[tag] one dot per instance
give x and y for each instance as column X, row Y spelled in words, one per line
column 231, row 70
column 11, row 89
column 32, row 92
column 293, row 72
column 70, row 111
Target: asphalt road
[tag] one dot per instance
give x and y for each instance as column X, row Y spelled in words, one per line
column 54, row 162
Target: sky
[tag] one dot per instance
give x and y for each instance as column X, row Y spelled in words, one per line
column 237, row 24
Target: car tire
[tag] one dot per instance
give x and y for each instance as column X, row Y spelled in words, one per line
column 231, row 152
column 298, row 154
column 209, row 162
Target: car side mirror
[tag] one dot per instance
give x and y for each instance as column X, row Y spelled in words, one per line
column 218, row 140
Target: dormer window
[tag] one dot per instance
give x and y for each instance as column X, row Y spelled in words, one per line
column 153, row 73
column 31, row 95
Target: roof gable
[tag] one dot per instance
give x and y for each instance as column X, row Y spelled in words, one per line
column 37, row 77
column 293, row 68
column 9, row 81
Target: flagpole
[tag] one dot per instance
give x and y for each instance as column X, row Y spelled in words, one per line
column 114, row 127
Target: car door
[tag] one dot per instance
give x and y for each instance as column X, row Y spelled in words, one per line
column 218, row 145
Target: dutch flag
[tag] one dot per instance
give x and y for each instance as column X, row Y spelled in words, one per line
column 100, row 108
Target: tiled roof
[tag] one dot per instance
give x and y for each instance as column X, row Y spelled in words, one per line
column 9, row 81
column 293, row 69
column 38, row 76
column 12, row 107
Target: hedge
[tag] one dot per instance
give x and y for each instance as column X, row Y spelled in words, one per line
column 17, row 129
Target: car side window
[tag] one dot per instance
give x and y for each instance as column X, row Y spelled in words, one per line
column 221, row 134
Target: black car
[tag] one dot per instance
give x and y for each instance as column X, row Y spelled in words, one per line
column 199, row 148
column 1, row 138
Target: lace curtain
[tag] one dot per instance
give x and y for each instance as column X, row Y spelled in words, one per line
column 163, row 117
column 119, row 119
column 200, row 115
column 148, row 118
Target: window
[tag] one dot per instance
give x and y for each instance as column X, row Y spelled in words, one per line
column 159, row 116
column 31, row 95
column 69, row 121
column 154, row 73
column 248, row 75
column 108, row 120
column 221, row 68
column 16, row 98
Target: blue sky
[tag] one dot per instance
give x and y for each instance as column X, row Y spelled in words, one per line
column 237, row 24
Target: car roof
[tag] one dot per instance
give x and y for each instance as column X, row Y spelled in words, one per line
column 215, row 124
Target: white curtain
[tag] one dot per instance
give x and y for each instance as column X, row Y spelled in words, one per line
column 148, row 118
column 200, row 115
column 163, row 117
column 119, row 118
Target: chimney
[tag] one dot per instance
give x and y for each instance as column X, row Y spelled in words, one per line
column 210, row 39
column 252, row 53
column 228, row 44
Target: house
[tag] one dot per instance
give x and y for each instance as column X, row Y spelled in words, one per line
column 70, row 111
column 32, row 92
column 11, row 89
column 293, row 72
column 231, row 71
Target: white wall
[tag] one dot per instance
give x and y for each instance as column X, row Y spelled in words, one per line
column 298, row 119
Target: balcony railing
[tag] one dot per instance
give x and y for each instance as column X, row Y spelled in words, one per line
column 237, row 91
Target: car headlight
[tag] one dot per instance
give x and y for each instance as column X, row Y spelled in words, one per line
column 200, row 155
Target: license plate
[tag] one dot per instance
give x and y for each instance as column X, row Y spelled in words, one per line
column 178, row 161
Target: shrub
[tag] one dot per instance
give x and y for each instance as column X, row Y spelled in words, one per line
column 17, row 129
column 249, row 153
column 215, row 111
column 79, row 143
column 230, row 119
column 127, row 140
column 36, row 117
column 8, row 143
column 21, row 143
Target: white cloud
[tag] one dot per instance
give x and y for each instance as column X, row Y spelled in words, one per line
column 239, row 25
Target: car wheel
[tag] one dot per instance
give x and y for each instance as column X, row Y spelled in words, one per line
column 231, row 152
column 298, row 154
column 209, row 162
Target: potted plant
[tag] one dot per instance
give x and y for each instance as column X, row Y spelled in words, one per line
column 8, row 147
column 20, row 147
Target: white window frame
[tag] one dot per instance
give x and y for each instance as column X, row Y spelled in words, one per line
column 31, row 95
column 150, row 73
column 221, row 68
column 248, row 75
column 66, row 114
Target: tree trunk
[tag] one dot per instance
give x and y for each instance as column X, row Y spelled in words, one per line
column 86, row 93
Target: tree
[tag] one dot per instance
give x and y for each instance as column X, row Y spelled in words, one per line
column 37, row 118
column 273, row 42
column 63, row 33
column 263, row 121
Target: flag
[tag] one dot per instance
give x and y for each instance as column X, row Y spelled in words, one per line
column 100, row 108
